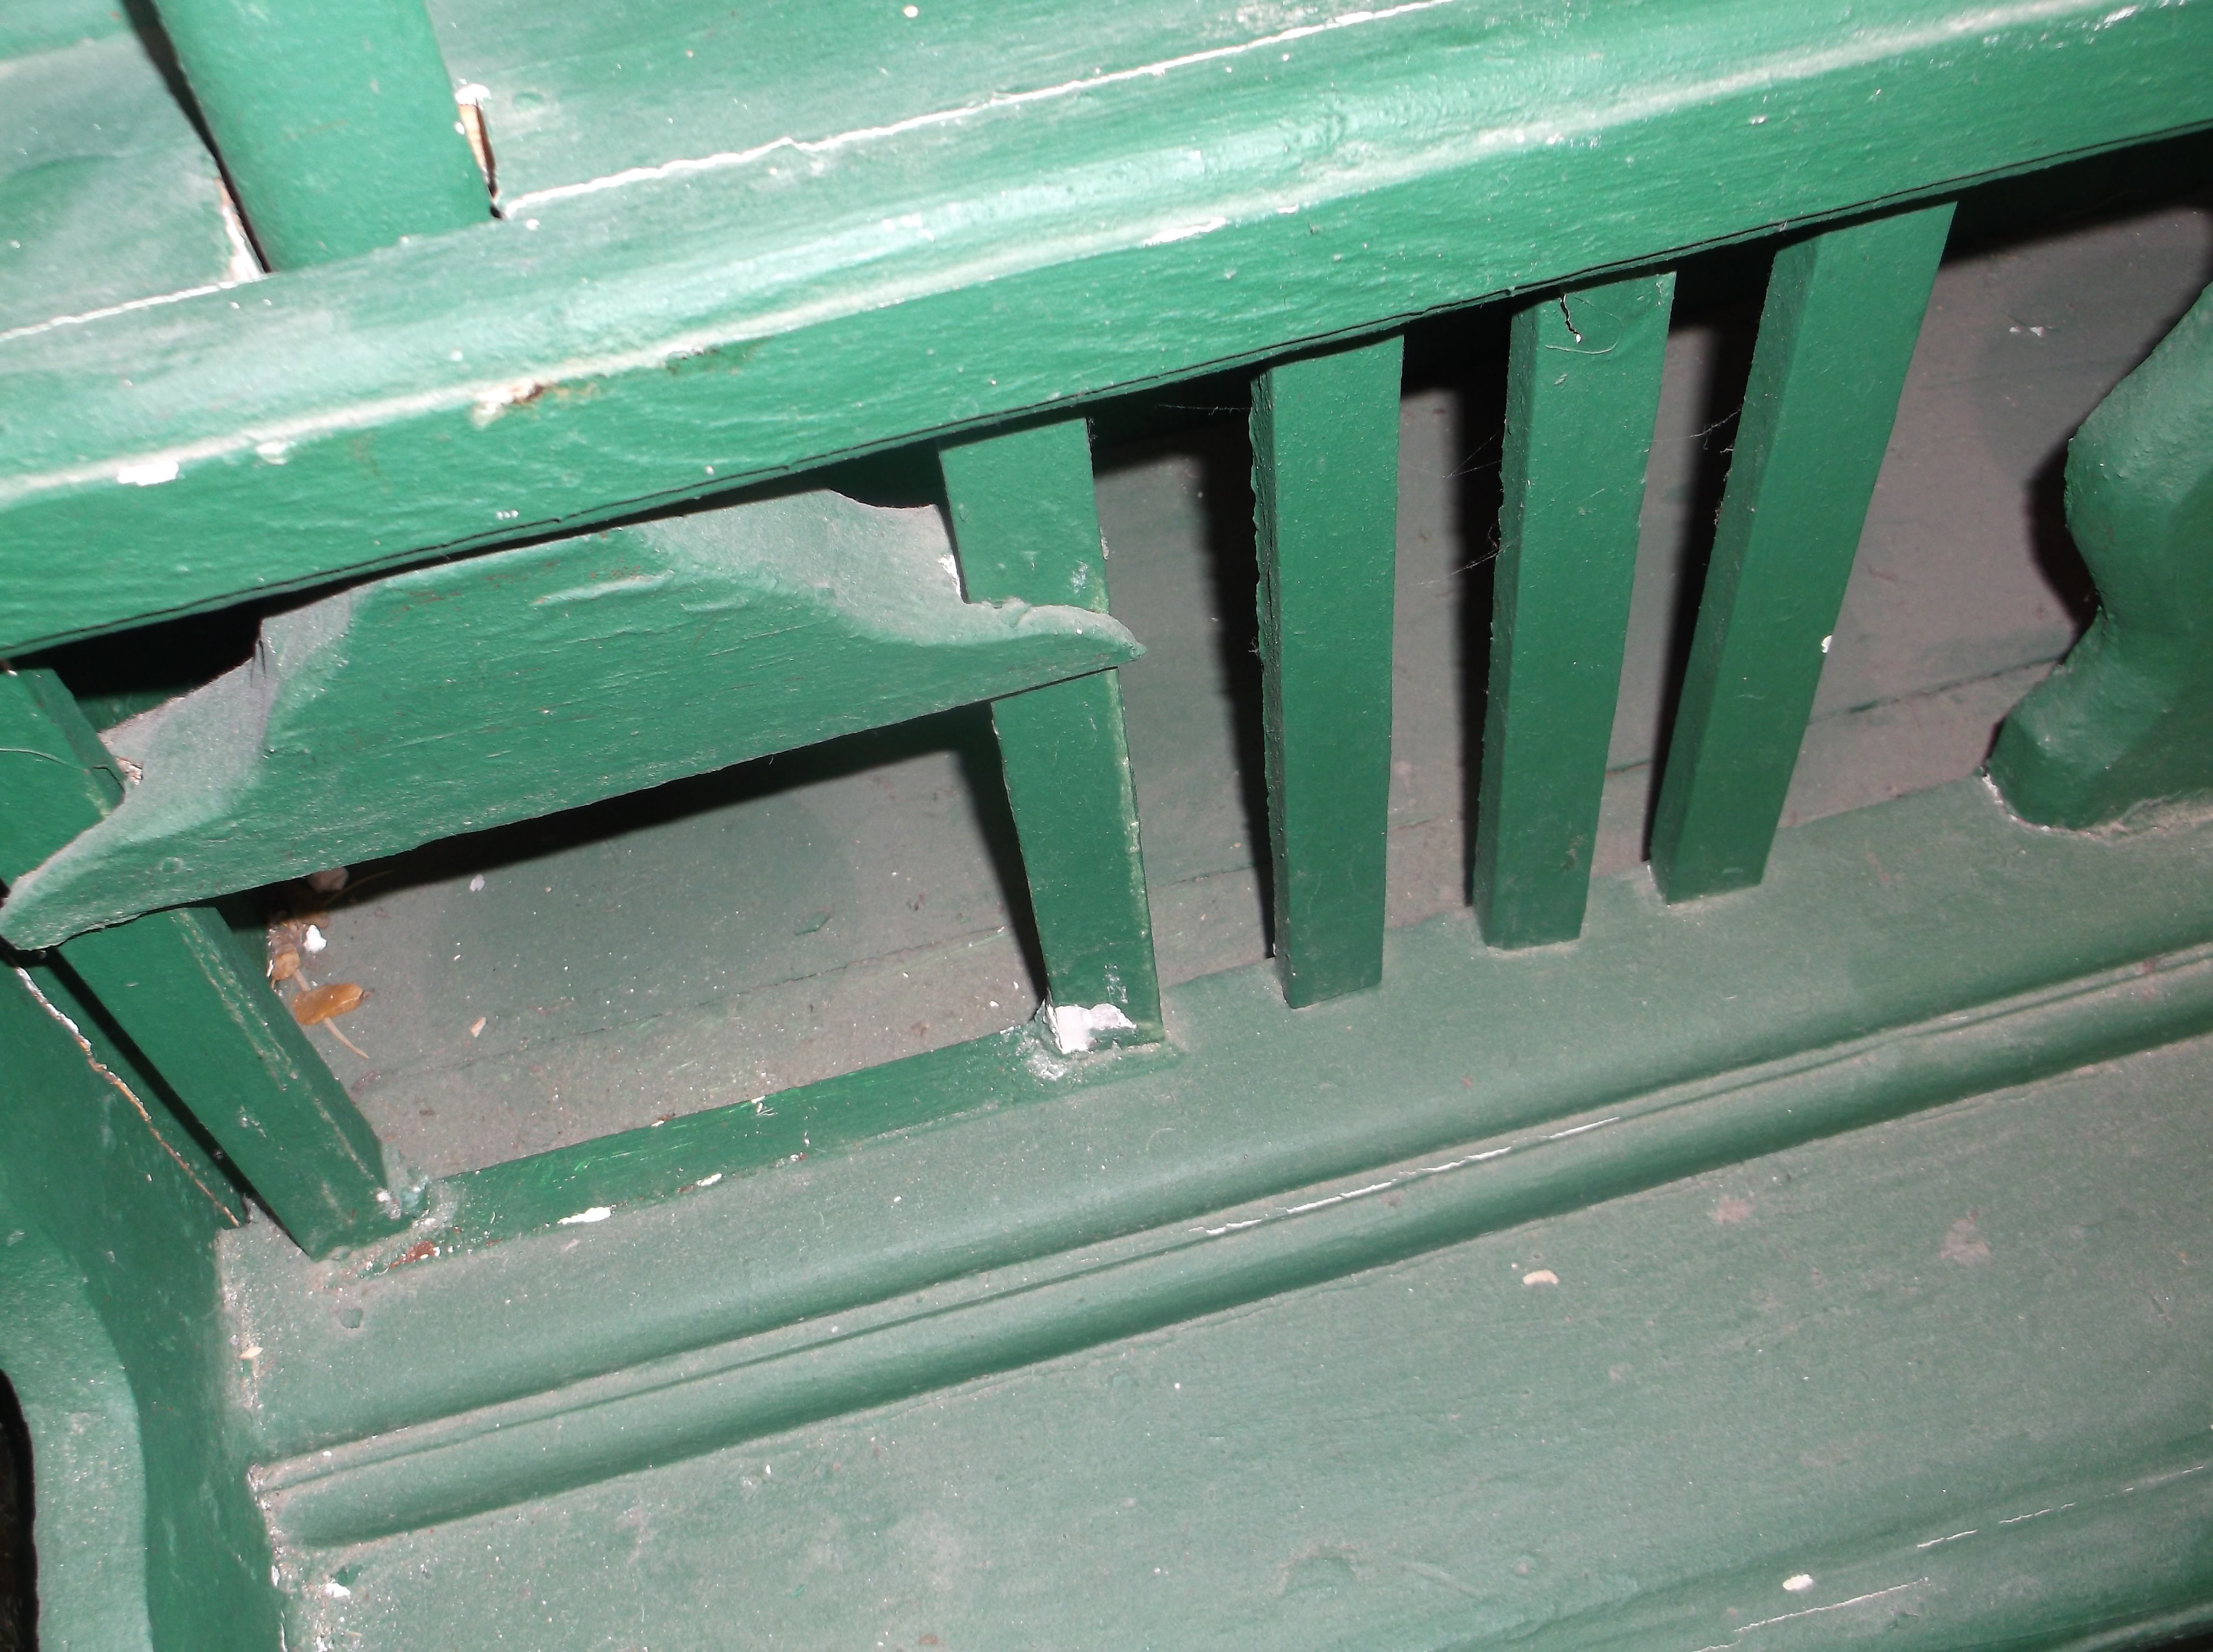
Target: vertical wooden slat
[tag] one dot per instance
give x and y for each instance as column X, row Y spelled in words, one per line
column 1836, row 333
column 193, row 1005
column 336, row 124
column 1325, row 497
column 1582, row 391
column 1026, row 528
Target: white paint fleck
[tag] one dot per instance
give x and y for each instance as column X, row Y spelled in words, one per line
column 1825, row 640
column 1955, row 1537
column 1799, row 1582
column 1075, row 1027
column 476, row 884
column 952, row 569
column 337, row 1591
column 1540, row 1277
column 152, row 473
column 597, row 1213
column 251, row 1351
column 1183, row 232
column 473, row 93
column 274, row 453
column 1577, row 1129
column 709, row 1181
column 314, row 940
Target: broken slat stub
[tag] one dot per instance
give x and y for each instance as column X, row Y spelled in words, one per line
column 1027, row 523
column 1582, row 391
column 1837, row 335
column 1326, row 498
column 512, row 685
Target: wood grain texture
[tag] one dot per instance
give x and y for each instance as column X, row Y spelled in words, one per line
column 2123, row 729
column 1582, row 391
column 335, row 125
column 1026, row 521
column 532, row 681
column 1836, row 333
column 660, row 337
column 195, row 1007
column 1325, row 513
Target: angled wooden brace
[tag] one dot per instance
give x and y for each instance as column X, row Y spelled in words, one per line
column 177, row 985
column 1026, row 528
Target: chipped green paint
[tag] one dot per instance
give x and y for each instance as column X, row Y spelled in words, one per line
column 1026, row 519
column 1836, row 333
column 2123, row 729
column 514, row 685
column 1582, row 391
column 1326, row 512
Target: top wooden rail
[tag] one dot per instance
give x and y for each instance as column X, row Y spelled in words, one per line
column 862, row 257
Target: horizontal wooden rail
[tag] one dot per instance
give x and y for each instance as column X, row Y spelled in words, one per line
column 653, row 339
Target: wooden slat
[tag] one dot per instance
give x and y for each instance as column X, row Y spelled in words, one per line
column 335, row 124
column 1325, row 497
column 1836, row 336
column 514, row 685
column 1583, row 389
column 178, row 987
column 1027, row 527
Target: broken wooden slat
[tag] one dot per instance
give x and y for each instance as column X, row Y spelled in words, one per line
column 336, row 124
column 1325, row 499
column 1836, row 333
column 1027, row 523
column 1582, row 391
column 453, row 699
column 180, row 990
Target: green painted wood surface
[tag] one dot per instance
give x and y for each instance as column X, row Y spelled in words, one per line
column 1026, row 524
column 2125, row 727
column 1582, row 391
column 145, row 1531
column 1900, row 957
column 1771, row 1392
column 730, row 321
column 194, row 1006
column 107, row 193
column 336, row 124
column 1326, row 511
column 512, row 685
column 1836, row 333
